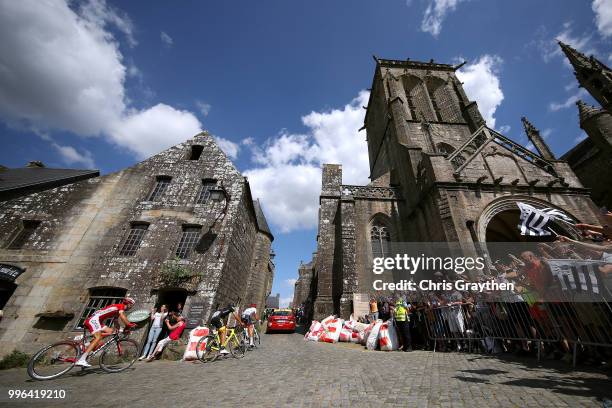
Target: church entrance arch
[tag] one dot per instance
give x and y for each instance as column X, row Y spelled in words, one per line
column 499, row 222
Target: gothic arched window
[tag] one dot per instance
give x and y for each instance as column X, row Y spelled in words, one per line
column 380, row 238
column 445, row 148
column 443, row 100
column 418, row 101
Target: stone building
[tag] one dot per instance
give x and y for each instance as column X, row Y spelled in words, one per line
column 591, row 159
column 179, row 227
column 301, row 289
column 438, row 174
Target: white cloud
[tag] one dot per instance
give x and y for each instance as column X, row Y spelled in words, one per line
column 166, row 39
column 284, row 302
column 101, row 14
column 230, row 148
column 290, row 282
column 203, row 107
column 603, row 16
column 287, row 176
column 71, row 156
column 570, row 101
column 548, row 46
column 546, row 133
column 481, row 83
column 435, row 13
column 63, row 70
column 504, row 129
column 152, row 130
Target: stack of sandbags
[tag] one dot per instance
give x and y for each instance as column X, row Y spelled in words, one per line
column 194, row 337
column 387, row 337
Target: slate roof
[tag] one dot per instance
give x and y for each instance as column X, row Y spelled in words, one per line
column 28, row 180
column 262, row 224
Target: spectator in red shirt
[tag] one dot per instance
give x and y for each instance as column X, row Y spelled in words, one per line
column 176, row 330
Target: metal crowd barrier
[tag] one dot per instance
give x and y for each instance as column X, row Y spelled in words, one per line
column 579, row 324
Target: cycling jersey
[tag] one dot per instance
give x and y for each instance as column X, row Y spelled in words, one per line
column 94, row 322
column 247, row 315
column 219, row 315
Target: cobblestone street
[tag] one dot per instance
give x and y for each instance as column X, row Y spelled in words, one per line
column 286, row 371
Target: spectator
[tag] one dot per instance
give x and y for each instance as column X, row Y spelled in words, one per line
column 176, row 330
column 402, row 320
column 373, row 309
column 157, row 319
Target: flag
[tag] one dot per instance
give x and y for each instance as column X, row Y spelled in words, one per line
column 577, row 275
column 534, row 221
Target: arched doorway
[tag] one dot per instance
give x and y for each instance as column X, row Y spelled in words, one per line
column 499, row 223
column 173, row 297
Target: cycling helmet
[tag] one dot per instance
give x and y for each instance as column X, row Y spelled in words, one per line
column 128, row 301
column 231, row 306
column 253, row 305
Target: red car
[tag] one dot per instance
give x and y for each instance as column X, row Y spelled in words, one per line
column 281, row 320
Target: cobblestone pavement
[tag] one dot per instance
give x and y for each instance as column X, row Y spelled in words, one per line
column 287, row 371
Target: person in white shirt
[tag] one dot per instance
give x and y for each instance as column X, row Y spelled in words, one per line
column 157, row 319
column 249, row 316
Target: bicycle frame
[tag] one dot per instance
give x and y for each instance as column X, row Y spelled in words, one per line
column 228, row 337
column 114, row 336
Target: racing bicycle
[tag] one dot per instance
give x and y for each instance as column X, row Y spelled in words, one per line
column 208, row 348
column 256, row 337
column 116, row 353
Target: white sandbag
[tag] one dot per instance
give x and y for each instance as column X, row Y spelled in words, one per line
column 359, row 327
column 349, row 324
column 345, row 334
column 328, row 320
column 366, row 333
column 194, row 337
column 332, row 331
column 372, row 341
column 316, row 328
column 356, row 337
column 387, row 337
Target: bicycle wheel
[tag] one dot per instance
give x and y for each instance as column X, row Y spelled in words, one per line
column 237, row 347
column 207, row 349
column 54, row 360
column 119, row 355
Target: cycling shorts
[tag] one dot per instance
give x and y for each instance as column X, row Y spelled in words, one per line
column 93, row 324
column 217, row 323
column 247, row 320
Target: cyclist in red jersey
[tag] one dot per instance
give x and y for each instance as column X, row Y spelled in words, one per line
column 94, row 324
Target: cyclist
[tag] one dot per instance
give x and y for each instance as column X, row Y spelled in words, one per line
column 249, row 316
column 98, row 329
column 217, row 321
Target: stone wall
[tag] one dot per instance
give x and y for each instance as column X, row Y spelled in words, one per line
column 84, row 226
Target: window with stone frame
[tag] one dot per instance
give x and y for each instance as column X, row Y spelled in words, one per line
column 160, row 188
column 380, row 238
column 189, row 239
column 23, row 234
column 418, row 99
column 134, row 239
column 207, row 186
column 99, row 298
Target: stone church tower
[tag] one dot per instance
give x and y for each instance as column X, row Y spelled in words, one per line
column 438, row 174
column 591, row 159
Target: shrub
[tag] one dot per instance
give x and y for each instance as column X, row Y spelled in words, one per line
column 15, row 359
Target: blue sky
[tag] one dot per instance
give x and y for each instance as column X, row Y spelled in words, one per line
column 281, row 84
